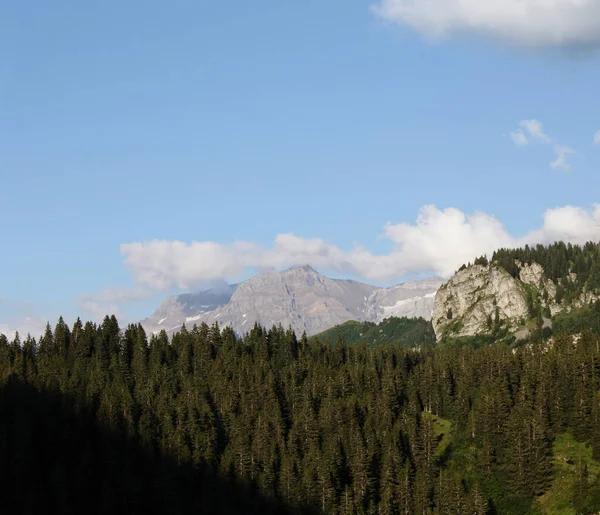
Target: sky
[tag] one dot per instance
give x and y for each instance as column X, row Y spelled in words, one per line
column 150, row 148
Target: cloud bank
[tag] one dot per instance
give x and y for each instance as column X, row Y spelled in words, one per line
column 24, row 326
column 438, row 242
column 108, row 300
column 518, row 23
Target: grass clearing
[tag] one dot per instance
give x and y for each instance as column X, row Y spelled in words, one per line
column 567, row 452
column 442, row 429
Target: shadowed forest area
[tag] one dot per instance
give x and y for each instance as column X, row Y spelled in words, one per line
column 55, row 457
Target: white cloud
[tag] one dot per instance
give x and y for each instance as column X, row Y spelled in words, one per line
column 24, row 325
column 519, row 138
column 535, row 129
column 119, row 294
column 108, row 301
column 520, row 23
column 569, row 224
column 161, row 264
column 562, row 153
column 23, row 316
column 26, row 317
column 597, row 138
column 437, row 243
column 98, row 310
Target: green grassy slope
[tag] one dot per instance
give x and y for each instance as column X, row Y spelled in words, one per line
column 565, row 497
column 406, row 332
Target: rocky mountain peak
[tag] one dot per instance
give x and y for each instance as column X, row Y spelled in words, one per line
column 302, row 268
column 299, row 297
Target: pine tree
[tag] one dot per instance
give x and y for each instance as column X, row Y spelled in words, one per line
column 581, row 486
column 388, row 503
column 516, row 456
column 62, row 339
column 540, row 455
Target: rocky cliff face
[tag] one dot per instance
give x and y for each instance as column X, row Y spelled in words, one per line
column 533, row 275
column 463, row 306
column 466, row 303
column 412, row 299
column 299, row 297
column 179, row 309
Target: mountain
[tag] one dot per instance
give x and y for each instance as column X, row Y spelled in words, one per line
column 412, row 299
column 187, row 308
column 298, row 297
column 518, row 292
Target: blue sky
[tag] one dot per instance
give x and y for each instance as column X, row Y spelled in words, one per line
column 128, row 126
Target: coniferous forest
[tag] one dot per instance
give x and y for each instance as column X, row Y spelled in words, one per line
column 95, row 419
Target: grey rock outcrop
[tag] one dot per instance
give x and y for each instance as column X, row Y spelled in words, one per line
column 411, row 299
column 464, row 305
column 533, row 275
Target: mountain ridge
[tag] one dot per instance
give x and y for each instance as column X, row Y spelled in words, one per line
column 298, row 297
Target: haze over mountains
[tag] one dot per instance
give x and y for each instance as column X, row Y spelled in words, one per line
column 298, row 297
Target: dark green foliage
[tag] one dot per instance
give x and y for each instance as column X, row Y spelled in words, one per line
column 99, row 419
column 559, row 261
column 475, row 342
column 577, row 320
column 56, row 458
column 482, row 261
column 405, row 332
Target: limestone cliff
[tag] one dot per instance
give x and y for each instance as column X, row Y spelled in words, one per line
column 476, row 295
column 480, row 297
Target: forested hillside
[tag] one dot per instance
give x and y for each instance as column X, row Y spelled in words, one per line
column 559, row 261
column 94, row 419
column 574, row 269
column 410, row 333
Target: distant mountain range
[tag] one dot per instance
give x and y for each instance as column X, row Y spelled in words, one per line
column 299, row 297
